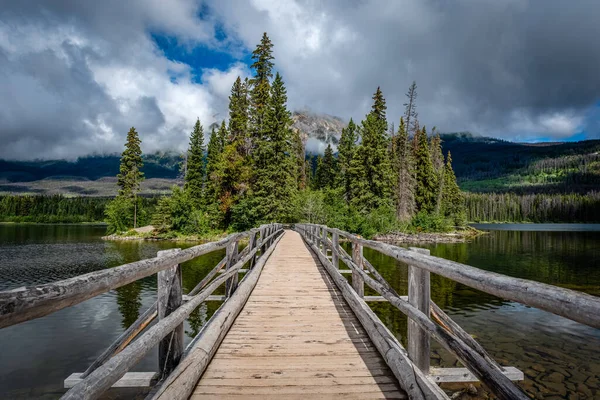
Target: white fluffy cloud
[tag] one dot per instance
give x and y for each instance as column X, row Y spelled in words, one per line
column 76, row 75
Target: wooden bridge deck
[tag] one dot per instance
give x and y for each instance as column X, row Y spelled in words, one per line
column 296, row 338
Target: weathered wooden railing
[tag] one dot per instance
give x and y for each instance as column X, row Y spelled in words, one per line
column 427, row 320
column 171, row 308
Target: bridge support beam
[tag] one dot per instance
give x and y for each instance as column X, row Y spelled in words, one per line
column 419, row 296
column 170, row 348
column 231, row 254
column 358, row 283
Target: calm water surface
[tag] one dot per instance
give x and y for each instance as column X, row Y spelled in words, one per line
column 560, row 358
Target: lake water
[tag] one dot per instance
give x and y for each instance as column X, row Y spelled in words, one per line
column 560, row 358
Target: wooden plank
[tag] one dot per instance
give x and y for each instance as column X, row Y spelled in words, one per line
column 26, row 303
column 447, row 375
column 419, row 295
column 417, row 384
column 169, row 299
column 180, row 384
column 129, row 380
column 297, row 335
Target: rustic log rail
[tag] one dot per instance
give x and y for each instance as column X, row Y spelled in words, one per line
column 573, row 305
column 171, row 308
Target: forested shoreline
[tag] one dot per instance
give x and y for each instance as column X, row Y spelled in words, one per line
column 255, row 169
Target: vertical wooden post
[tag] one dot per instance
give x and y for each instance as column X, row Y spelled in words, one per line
column 170, row 348
column 335, row 242
column 231, row 254
column 358, row 283
column 324, row 240
column 263, row 246
column 252, row 245
column 419, row 295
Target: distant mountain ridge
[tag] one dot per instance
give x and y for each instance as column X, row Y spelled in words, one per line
column 481, row 163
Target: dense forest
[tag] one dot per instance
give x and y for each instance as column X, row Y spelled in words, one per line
column 52, row 209
column 254, row 170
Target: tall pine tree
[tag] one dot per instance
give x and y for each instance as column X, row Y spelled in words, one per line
column 437, row 161
column 404, row 167
column 261, row 87
column 346, row 149
column 275, row 185
column 452, row 197
column 410, row 110
column 194, row 177
column 425, row 190
column 370, row 167
column 130, row 170
column 327, row 170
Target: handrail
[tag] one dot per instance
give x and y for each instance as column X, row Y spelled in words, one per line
column 440, row 326
column 576, row 306
column 106, row 371
column 30, row 302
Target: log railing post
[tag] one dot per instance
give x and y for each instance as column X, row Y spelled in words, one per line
column 335, row 244
column 358, row 283
column 231, row 254
column 419, row 296
column 252, row 245
column 170, row 348
column 324, row 240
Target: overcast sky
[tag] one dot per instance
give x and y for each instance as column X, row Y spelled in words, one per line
column 75, row 75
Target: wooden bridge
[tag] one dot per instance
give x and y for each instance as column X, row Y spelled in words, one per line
column 295, row 325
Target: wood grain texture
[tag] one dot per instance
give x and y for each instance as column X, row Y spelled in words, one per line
column 296, row 337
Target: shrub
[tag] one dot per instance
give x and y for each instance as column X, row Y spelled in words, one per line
column 430, row 222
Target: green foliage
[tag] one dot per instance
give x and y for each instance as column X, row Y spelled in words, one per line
column 260, row 93
column 452, row 197
column 370, row 168
column 214, row 159
column 130, row 172
column 327, row 170
column 430, row 222
column 52, row 209
column 403, row 165
column 426, row 185
column 346, row 149
column 119, row 214
column 275, row 183
column 194, row 175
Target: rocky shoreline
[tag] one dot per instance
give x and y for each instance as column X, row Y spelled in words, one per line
column 427, row 237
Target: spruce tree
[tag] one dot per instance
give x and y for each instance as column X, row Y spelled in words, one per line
column 437, row 161
column 299, row 152
column 275, row 186
column 130, row 171
column 261, row 87
column 404, row 168
column 346, row 149
column 327, row 170
column 452, row 197
column 238, row 115
column 214, row 152
column 194, row 177
column 410, row 110
column 370, row 169
column 425, row 186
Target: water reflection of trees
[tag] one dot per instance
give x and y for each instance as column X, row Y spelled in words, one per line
column 129, row 301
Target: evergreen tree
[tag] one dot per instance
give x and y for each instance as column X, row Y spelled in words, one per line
column 370, row 168
column 379, row 107
column 261, row 87
column 238, row 116
column 299, row 151
column 275, row 186
column 437, row 161
column 346, row 149
column 327, row 170
column 213, row 159
column 194, row 177
column 404, row 168
column 425, row 188
column 410, row 110
column 452, row 197
column 130, row 171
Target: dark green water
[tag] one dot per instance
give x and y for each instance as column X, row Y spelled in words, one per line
column 561, row 358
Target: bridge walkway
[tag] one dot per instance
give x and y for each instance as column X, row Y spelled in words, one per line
column 296, row 338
